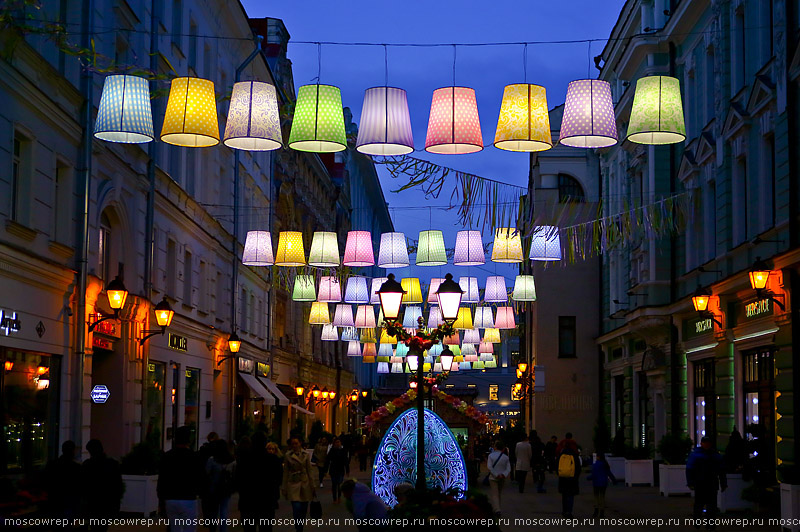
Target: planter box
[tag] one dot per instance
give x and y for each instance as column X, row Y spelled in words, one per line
column 140, row 494
column 672, row 480
column 617, row 464
column 731, row 498
column 638, row 472
column 790, row 506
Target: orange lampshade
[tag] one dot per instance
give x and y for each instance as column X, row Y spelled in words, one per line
column 700, row 299
column 759, row 275
column 164, row 313
column 117, row 294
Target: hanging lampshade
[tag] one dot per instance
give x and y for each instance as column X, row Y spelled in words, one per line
column 191, row 116
column 385, row 350
column 454, row 126
column 588, row 120
column 470, row 287
column 304, row 289
column 343, row 316
column 401, row 350
column 385, row 127
column 393, row 252
column 253, row 123
column 435, row 350
column 318, row 122
column 330, row 290
column 469, row 249
column 355, row 291
column 369, row 350
column 380, row 316
column 258, row 249
column 452, row 340
column 368, row 360
column 290, row 249
column 324, row 250
column 353, row 349
column 507, row 246
column 657, row 112
column 410, row 316
column 125, row 114
column 437, row 367
column 464, row 319
column 472, row 336
column 330, row 333
column 365, row 317
column 490, row 364
column 433, row 299
column 397, row 367
column 524, row 122
column 492, row 335
column 524, row 288
column 464, row 366
column 456, row 350
column 430, row 249
column 367, row 334
column 434, row 317
column 545, row 243
column 486, row 347
column 377, row 282
column 479, row 364
column 413, row 290
column 350, row 334
column 468, row 351
column 495, row 291
column 504, row 318
column 358, row 250
column 386, row 338
column 319, row 314
column 484, row 318
column 454, row 366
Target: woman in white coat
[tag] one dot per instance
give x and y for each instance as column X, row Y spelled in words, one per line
column 499, row 467
column 523, row 452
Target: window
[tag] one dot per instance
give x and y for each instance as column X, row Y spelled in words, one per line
column 62, row 204
column 187, row 278
column 156, row 380
column 171, row 266
column 20, row 177
column 569, row 189
column 643, row 442
column 104, row 248
column 493, row 388
column 193, row 46
column 619, row 402
column 243, row 325
column 202, row 303
column 740, row 201
column 219, row 295
column 738, row 48
column 704, row 400
column 566, row 337
column 191, row 170
column 759, row 405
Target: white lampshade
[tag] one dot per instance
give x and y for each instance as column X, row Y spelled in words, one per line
column 434, row 317
column 496, row 291
column 365, row 317
column 350, row 334
column 410, row 316
column 385, row 350
column 343, row 316
column 468, row 350
column 330, row 333
column 353, row 349
column 258, row 249
column 470, row 287
column 356, row 290
column 330, row 290
column 253, row 122
column 524, row 288
column 393, row 252
column 472, row 336
column 485, row 357
column 469, row 249
column 324, row 250
column 374, row 298
column 546, row 243
column 397, row 367
column 383, row 367
column 433, row 299
column 505, row 318
column 483, row 318
column 437, row 367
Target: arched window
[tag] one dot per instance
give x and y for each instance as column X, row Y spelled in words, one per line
column 569, row 189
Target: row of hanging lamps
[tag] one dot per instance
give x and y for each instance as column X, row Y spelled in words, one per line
column 350, row 334
column 318, row 122
column 319, row 314
column 410, row 316
column 253, row 123
column 377, row 282
column 492, row 335
column 258, row 249
column 484, row 318
column 365, row 317
column 343, row 316
column 453, row 125
column 355, row 291
column 588, row 120
column 434, row 286
column 304, row 289
column 545, row 243
column 353, row 349
column 464, row 319
column 472, row 336
column 290, row 249
column 495, row 291
column 413, row 291
column 657, row 112
column 385, row 127
column 324, row 251
column 125, row 114
column 524, row 288
column 330, row 290
column 358, row 249
column 393, row 252
column 469, row 249
column 507, row 246
column 191, row 116
column 430, row 249
column 524, row 121
column 470, row 287
column 330, row 333
column 504, row 318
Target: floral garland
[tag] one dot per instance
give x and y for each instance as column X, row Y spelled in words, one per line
column 407, row 398
column 421, row 340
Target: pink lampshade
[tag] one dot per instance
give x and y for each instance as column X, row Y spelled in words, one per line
column 470, row 287
column 330, row 290
column 496, row 291
column 453, row 339
column 343, row 317
column 374, row 298
column 486, row 347
column 365, row 317
column 450, row 135
column 588, row 120
column 433, row 299
column 504, row 318
column 453, row 366
column 358, row 250
column 385, row 126
column 469, row 249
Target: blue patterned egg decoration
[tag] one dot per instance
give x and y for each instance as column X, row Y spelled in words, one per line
column 396, row 459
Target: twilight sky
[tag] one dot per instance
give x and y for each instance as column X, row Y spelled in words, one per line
column 420, row 71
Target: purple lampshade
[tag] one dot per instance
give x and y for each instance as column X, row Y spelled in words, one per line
column 588, row 120
column 374, row 298
column 434, row 317
column 358, row 250
column 472, row 336
column 393, row 252
column 258, row 249
column 469, row 249
column 330, row 291
column 495, row 292
column 385, row 127
column 356, row 290
column 343, row 317
column 433, row 299
column 353, row 349
column 470, row 287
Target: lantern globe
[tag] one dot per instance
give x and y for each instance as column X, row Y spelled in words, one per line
column 290, row 249
column 116, row 293
column 125, row 114
column 385, row 126
column 324, row 251
column 413, row 362
column 258, row 249
column 700, row 299
column 315, row 391
column 393, row 252
column 588, row 120
column 522, row 366
column 657, row 112
column 325, row 393
column 449, row 295
column 234, row 342
column 191, row 116
column 524, row 121
column 391, row 297
column 454, row 125
column 318, row 122
column 759, row 275
column 253, row 123
column 164, row 313
column 299, row 389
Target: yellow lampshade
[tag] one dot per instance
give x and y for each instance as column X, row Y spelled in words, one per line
column 524, row 122
column 290, row 249
column 319, row 314
column 413, row 290
column 191, row 116
column 492, row 335
column 117, row 294
column 386, row 339
column 464, row 319
column 507, row 246
column 164, row 313
column 234, row 343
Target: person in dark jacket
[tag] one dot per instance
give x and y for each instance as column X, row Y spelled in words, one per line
column 220, row 470
column 601, row 473
column 568, row 480
column 550, row 453
column 538, row 464
column 101, row 485
column 705, row 474
column 365, row 506
column 259, row 475
column 338, row 466
column 179, row 480
column 62, row 475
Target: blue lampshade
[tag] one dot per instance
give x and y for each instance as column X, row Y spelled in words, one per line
column 412, row 313
column 125, row 114
column 356, row 291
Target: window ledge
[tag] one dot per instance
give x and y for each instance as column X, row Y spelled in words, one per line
column 16, row 228
column 62, row 250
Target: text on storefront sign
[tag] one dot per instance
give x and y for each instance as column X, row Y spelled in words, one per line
column 757, row 308
column 703, row 325
column 9, row 323
column 178, row 343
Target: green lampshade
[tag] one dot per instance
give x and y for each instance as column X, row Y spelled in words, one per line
column 318, row 123
column 490, row 364
column 657, row 112
column 430, row 251
column 304, row 288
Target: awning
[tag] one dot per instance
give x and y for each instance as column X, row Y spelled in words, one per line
column 258, row 388
column 273, row 388
column 303, row 410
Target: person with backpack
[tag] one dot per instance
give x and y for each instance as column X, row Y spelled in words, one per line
column 569, row 469
column 601, row 473
column 499, row 467
column 220, row 471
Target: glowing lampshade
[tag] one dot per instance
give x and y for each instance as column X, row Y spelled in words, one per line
column 369, row 350
column 456, row 350
column 505, row 318
column 358, row 250
column 343, row 316
column 330, row 290
column 319, row 314
column 524, row 288
column 454, row 366
column 588, row 120
column 402, row 349
column 469, row 249
column 355, row 291
column 258, row 249
column 545, row 243
column 385, row 127
column 464, row 366
column 304, row 289
column 330, row 333
column 413, row 364
column 353, row 349
column 385, row 350
column 433, row 299
column 386, row 338
column 368, row 334
column 437, row 367
column 413, row 290
column 253, row 122
column 290, row 249
column 657, row 112
column 478, row 365
column 318, row 122
column 468, row 351
column 410, row 316
column 350, row 334
column 490, row 364
column 397, row 367
column 464, row 319
column 368, row 360
column 125, row 114
column 472, row 336
column 454, row 125
column 495, row 291
column 524, row 122
column 435, row 350
column 377, row 282
column 507, row 246
column 383, row 367
column 191, row 116
column 492, row 335
column 430, row 250
column 365, row 317
column 393, row 252
column 452, row 340
column 484, row 318
column 486, row 347
column 434, row 317
column 324, row 251
column 470, row 287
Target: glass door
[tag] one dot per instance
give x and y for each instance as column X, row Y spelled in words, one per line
column 156, row 380
column 759, row 410
column 191, row 403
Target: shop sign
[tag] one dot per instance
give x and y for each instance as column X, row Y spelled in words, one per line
column 697, row 326
column 263, row 369
column 246, row 365
column 178, row 343
column 102, row 343
column 9, row 323
column 108, row 327
column 100, row 393
column 752, row 310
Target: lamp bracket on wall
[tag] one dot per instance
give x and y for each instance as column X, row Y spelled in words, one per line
column 150, row 333
column 93, row 324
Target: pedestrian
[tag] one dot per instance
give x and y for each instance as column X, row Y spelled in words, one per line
column 538, row 464
column 180, row 477
column 205, row 450
column 363, row 453
column 220, row 471
column 338, row 466
column 601, row 473
column 259, row 474
column 320, row 458
column 569, row 469
column 735, row 452
column 101, row 486
column 298, row 481
column 523, row 454
column 272, row 448
column 705, row 475
column 62, row 475
column 550, row 453
column 367, row 508
column 499, row 467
